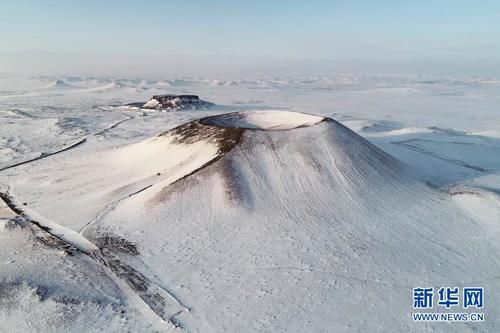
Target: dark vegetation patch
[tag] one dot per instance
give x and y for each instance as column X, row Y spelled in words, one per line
column 195, row 131
column 54, row 242
column 225, row 139
column 234, row 183
column 8, row 201
column 115, row 243
column 137, row 281
column 453, row 192
column 134, row 279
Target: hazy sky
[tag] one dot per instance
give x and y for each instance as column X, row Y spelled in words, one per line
column 242, row 37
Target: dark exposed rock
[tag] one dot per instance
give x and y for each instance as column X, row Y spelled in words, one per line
column 177, row 102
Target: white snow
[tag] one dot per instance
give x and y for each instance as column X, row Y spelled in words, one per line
column 152, row 103
column 483, row 206
column 302, row 227
column 266, row 120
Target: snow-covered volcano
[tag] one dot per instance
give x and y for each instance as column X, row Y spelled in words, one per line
column 266, row 221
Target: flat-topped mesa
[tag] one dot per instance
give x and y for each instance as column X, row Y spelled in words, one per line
column 170, row 97
column 177, row 102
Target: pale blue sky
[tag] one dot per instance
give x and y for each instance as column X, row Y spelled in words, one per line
column 127, row 37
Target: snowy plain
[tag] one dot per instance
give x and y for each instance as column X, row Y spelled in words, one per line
column 270, row 218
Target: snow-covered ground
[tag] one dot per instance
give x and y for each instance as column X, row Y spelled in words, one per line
column 264, row 216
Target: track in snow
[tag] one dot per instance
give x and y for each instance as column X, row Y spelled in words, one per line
column 406, row 144
column 45, row 155
column 160, row 301
column 69, row 147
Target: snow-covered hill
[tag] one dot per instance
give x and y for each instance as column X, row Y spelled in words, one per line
column 264, row 221
column 243, row 217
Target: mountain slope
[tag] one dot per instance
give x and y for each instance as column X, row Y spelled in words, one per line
column 306, row 229
column 272, row 221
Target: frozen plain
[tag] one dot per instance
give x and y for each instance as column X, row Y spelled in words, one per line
column 263, row 221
